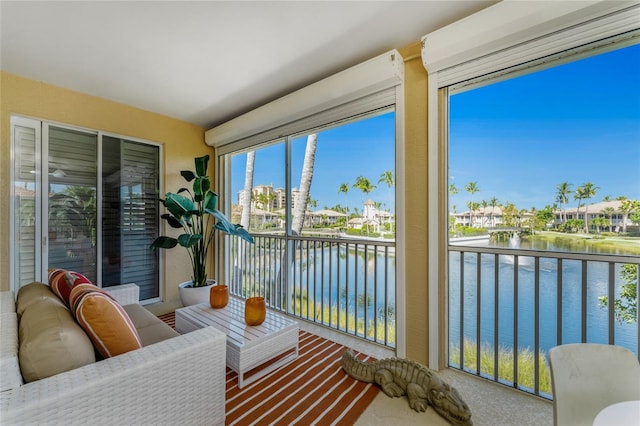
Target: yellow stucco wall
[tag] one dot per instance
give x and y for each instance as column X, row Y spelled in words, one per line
column 415, row 219
column 181, row 142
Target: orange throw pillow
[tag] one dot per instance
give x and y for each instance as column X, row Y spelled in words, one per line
column 105, row 321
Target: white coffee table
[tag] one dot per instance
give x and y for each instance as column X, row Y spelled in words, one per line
column 248, row 347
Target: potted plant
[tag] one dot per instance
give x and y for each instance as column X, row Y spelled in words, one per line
column 196, row 214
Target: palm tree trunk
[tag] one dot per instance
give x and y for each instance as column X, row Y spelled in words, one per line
column 248, row 189
column 586, row 218
column 245, row 218
column 305, row 185
column 300, row 208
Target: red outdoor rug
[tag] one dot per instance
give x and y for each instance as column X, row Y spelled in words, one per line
column 313, row 389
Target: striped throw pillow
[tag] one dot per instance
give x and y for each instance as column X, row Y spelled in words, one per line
column 62, row 282
column 104, row 320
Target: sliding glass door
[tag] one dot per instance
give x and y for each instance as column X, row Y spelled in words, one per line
column 71, row 167
column 84, row 201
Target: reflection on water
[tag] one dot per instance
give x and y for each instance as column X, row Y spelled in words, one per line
column 560, row 243
column 340, row 277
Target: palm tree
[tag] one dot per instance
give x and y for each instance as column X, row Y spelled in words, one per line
column 453, row 190
column 600, row 222
column 626, row 208
column 471, row 188
column 364, row 185
column 509, row 214
column 608, row 213
column 484, row 205
column 579, row 195
column 263, row 199
column 532, row 221
column 305, row 184
column 344, row 188
column 312, row 204
column 387, row 177
column 588, row 191
column 562, row 198
column 493, row 202
column 472, row 206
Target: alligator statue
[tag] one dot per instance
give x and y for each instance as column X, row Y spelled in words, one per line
column 422, row 386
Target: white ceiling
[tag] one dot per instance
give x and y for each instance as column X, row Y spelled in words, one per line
column 209, row 61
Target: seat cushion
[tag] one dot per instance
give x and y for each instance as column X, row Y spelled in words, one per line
column 103, row 319
column 51, row 342
column 31, row 293
column 150, row 328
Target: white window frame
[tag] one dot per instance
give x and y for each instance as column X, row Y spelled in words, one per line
column 338, row 97
column 504, row 36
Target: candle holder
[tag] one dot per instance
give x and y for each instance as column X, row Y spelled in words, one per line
column 255, row 310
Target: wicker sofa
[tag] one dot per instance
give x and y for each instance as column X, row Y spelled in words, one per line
column 180, row 380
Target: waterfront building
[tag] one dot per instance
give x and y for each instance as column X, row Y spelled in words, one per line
column 608, row 209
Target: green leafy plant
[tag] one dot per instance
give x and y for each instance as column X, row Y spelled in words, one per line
column 196, row 214
column 625, row 307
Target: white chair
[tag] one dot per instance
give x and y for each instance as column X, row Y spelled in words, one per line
column 587, row 377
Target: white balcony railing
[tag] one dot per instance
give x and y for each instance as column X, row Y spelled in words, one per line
column 345, row 284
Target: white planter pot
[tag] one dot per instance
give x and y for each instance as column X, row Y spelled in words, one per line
column 194, row 295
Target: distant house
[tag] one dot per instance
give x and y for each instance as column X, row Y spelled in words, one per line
column 356, row 223
column 607, row 209
column 484, row 217
column 324, row 217
column 259, row 218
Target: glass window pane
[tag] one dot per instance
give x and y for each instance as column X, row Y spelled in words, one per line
column 341, row 273
column 520, row 162
column 352, row 185
column 543, row 173
column 262, row 174
column 72, row 201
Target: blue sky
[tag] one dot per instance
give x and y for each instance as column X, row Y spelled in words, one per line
column 518, row 139
column 362, row 148
column 577, row 123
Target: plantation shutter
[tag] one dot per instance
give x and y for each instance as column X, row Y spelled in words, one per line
column 140, row 216
column 131, row 201
column 25, row 219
